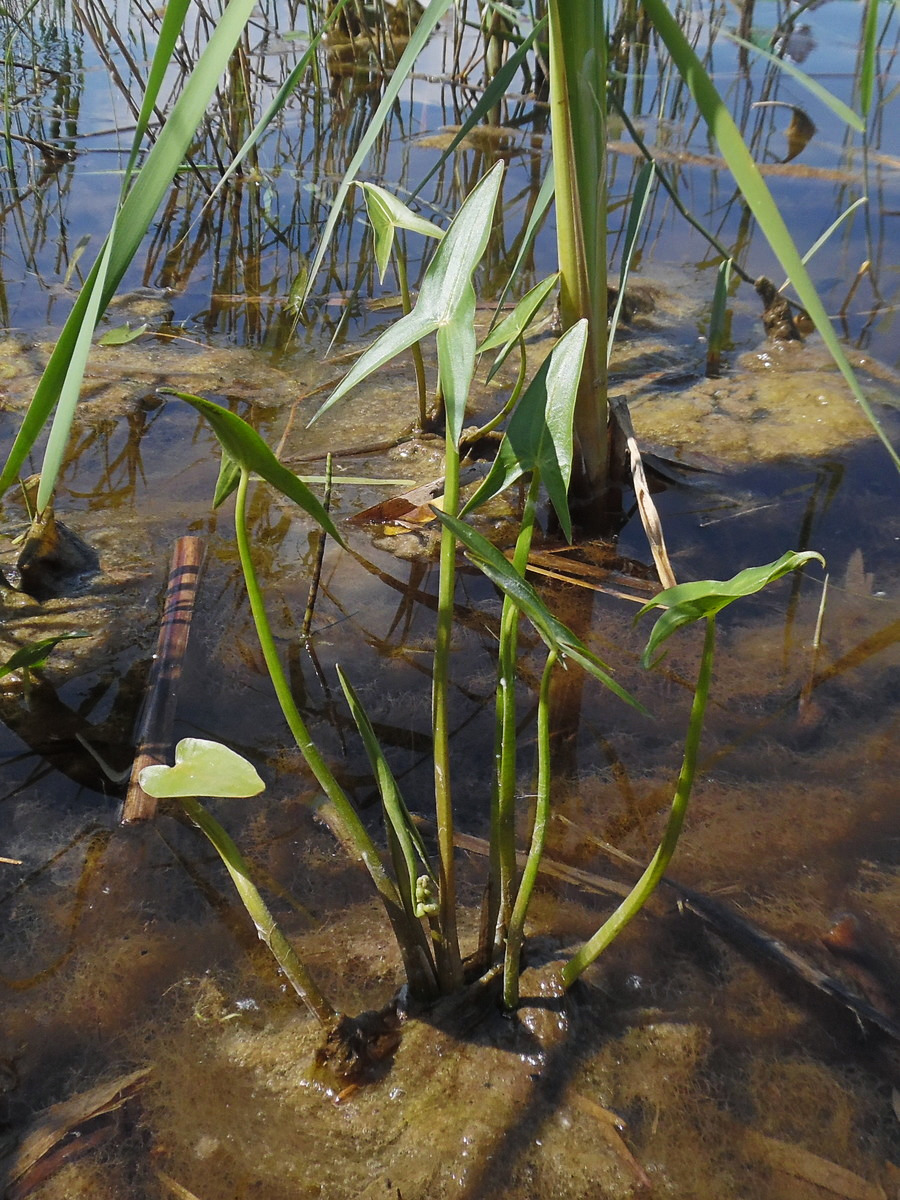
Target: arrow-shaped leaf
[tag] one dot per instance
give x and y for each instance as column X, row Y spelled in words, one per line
column 243, row 445
column 539, row 437
column 688, row 602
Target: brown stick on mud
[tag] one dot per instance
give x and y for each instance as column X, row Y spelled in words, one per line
column 153, row 738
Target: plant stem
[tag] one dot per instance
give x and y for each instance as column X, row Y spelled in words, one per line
column 516, row 933
column 266, row 925
column 339, row 814
column 503, row 814
column 418, row 362
column 642, row 890
column 578, row 118
column 448, row 961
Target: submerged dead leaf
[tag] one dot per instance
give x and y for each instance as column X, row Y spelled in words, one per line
column 67, row 1130
column 803, row 1164
column 408, row 511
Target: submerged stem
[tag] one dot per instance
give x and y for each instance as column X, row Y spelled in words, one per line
column 266, row 925
column 642, row 890
column 339, row 814
column 503, row 810
column 449, row 963
column 516, row 934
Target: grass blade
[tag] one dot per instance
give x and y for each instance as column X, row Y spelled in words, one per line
column 758, row 197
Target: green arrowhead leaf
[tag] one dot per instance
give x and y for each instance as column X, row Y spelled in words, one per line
column 386, row 214
column 539, row 437
column 243, row 446
column 688, row 602
column 35, row 654
column 446, row 300
column 202, row 768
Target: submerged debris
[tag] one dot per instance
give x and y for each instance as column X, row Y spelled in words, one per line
column 778, row 318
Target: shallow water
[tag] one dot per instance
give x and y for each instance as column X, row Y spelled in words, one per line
column 126, row 947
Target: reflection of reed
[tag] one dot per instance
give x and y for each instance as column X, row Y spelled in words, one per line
column 256, row 235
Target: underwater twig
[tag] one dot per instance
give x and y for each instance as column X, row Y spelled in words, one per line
column 320, row 556
column 153, row 739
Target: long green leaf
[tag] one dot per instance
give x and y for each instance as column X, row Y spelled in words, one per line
column 687, row 602
column 503, row 574
column 415, row 856
column 869, row 52
column 281, row 97
column 757, row 195
column 514, row 326
column 636, row 212
column 838, row 107
column 133, row 220
column 492, row 95
column 244, row 446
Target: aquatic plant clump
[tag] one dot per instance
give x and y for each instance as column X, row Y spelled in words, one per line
column 419, row 891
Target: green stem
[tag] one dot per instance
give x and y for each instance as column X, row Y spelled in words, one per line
column 418, row 362
column 578, row 68
column 516, row 933
column 503, row 814
column 266, row 925
column 339, row 814
column 449, row 963
column 642, row 890
column 498, row 419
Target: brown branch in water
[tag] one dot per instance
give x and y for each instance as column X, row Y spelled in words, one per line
column 154, row 731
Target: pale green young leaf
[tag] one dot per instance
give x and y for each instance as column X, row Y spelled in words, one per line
column 202, row 768
column 121, row 335
column 688, row 602
column 387, row 214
